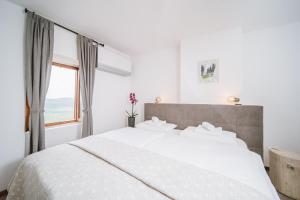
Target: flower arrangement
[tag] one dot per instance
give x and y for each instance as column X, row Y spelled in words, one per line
column 133, row 102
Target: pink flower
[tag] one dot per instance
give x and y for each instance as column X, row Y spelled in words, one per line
column 133, row 102
column 132, row 98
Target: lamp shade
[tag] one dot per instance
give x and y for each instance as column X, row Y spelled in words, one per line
column 233, row 99
column 157, row 100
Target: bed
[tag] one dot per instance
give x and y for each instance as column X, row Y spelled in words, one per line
column 134, row 163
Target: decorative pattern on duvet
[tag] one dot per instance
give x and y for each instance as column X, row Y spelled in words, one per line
column 66, row 172
column 98, row 168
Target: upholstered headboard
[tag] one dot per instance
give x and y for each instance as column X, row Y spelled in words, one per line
column 246, row 121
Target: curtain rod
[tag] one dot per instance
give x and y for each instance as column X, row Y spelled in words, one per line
column 101, row 44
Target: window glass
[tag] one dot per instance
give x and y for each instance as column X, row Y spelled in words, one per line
column 60, row 99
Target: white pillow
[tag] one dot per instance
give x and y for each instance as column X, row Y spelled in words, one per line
column 218, row 131
column 241, row 143
column 188, row 130
column 223, row 138
column 155, row 123
column 214, row 131
column 229, row 134
column 155, row 119
column 208, row 126
column 151, row 127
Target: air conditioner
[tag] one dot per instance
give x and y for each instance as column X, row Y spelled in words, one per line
column 113, row 61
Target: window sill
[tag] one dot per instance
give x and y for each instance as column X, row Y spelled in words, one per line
column 61, row 125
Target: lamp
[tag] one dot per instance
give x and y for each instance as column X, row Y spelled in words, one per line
column 157, row 100
column 233, row 100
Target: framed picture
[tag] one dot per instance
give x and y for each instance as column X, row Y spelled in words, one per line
column 209, row 71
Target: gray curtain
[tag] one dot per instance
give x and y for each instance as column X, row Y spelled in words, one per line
column 38, row 58
column 88, row 59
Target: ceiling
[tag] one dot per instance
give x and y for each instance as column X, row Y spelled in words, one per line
column 138, row 26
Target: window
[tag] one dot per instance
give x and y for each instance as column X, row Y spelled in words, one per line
column 62, row 101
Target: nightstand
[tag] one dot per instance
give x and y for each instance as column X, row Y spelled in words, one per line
column 285, row 172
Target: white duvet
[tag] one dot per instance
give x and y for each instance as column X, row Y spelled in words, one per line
column 133, row 136
column 120, row 165
column 224, row 155
column 227, row 159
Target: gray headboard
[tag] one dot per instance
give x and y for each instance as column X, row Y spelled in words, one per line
column 246, row 121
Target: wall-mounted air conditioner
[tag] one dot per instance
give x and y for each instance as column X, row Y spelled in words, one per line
column 113, row 61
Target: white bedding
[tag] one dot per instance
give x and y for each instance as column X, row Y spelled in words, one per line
column 49, row 172
column 66, row 172
column 133, row 136
column 136, row 137
column 176, row 180
column 227, row 156
column 229, row 160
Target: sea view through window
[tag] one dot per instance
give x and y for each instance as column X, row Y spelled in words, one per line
column 60, row 99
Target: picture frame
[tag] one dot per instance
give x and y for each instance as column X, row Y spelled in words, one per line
column 209, row 71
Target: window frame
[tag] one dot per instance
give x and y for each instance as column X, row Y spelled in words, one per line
column 76, row 98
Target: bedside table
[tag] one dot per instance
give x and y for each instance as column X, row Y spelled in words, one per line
column 285, row 172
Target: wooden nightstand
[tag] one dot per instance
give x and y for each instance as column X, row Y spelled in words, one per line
column 285, row 172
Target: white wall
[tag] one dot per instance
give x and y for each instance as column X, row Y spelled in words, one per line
column 110, row 101
column 156, row 74
column 65, row 47
column 12, row 101
column 62, row 134
column 226, row 46
column 271, row 72
column 260, row 67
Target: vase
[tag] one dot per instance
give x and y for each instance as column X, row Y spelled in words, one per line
column 131, row 122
